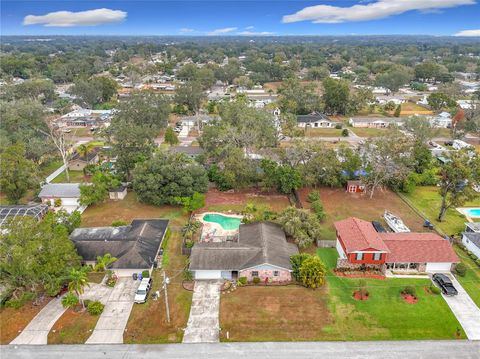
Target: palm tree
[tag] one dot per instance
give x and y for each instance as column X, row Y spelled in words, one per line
column 83, row 150
column 77, row 281
column 104, row 261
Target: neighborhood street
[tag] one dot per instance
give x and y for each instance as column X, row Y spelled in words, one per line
column 458, row 349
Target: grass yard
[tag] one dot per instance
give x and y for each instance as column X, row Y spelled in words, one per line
column 75, row 177
column 369, row 132
column 104, row 214
column 323, row 132
column 339, row 204
column 235, row 201
column 73, row 327
column 147, row 323
column 284, row 313
column 471, row 281
column 428, row 201
column 49, row 168
column 385, row 316
column 12, row 321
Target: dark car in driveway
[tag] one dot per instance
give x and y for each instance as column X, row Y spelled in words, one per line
column 445, row 284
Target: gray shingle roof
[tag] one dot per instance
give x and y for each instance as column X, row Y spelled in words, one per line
column 473, row 237
column 258, row 243
column 60, row 190
column 135, row 245
column 313, row 117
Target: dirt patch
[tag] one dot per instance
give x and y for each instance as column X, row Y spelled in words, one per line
column 74, row 327
column 275, row 314
column 360, row 275
column 12, row 321
column 235, row 201
column 408, row 298
column 339, row 204
column 358, row 295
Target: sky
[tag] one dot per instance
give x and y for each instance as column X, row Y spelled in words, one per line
column 245, row 17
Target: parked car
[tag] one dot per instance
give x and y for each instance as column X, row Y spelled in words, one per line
column 445, row 284
column 142, row 291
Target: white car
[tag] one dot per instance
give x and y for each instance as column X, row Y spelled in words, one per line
column 142, row 291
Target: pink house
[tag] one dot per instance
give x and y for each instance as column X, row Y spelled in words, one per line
column 261, row 251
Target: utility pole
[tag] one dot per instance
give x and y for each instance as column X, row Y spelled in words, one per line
column 165, row 282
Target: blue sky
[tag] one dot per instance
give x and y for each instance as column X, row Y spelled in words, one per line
column 248, row 17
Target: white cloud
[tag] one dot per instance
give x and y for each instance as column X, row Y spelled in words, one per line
column 468, row 33
column 255, row 33
column 225, row 30
column 250, row 28
column 80, row 18
column 369, row 11
column 185, row 30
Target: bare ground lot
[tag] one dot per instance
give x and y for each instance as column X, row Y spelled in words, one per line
column 339, row 205
column 236, row 201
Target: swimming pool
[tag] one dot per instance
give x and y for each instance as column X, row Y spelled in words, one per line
column 226, row 222
column 472, row 212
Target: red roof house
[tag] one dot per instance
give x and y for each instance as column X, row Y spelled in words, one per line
column 360, row 244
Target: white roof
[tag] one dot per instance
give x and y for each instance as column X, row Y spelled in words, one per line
column 60, row 190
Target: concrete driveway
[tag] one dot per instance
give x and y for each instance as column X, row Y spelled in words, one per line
column 36, row 332
column 466, row 311
column 113, row 320
column 203, row 324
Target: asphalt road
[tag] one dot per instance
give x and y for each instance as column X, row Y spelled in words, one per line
column 281, row 350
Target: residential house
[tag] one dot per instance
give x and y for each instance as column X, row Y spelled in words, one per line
column 375, row 122
column 315, row 120
column 66, row 195
column 79, row 162
column 261, row 251
column 190, row 151
column 136, row 246
column 359, row 244
column 35, row 210
column 472, row 227
column 442, row 120
column 471, row 241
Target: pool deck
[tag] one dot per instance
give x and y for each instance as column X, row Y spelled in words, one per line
column 464, row 211
column 213, row 232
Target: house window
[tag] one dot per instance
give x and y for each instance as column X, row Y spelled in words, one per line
column 377, row 256
column 359, row 256
column 254, row 273
column 276, row 273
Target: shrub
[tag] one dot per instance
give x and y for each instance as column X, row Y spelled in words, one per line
column 119, row 222
column 313, row 196
column 18, row 303
column 145, row 274
column 57, row 202
column 256, row 280
column 189, row 243
column 338, row 126
column 478, row 262
column 435, row 290
column 243, row 280
column 409, row 290
column 312, row 272
column 461, row 269
column 317, row 208
column 345, row 132
column 95, row 308
column 188, row 275
column 69, row 300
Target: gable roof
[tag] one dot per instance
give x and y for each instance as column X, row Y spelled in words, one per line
column 135, row 245
column 418, row 247
column 473, row 237
column 60, row 190
column 359, row 235
column 258, row 243
column 312, row 117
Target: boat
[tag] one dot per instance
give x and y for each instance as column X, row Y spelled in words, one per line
column 395, row 223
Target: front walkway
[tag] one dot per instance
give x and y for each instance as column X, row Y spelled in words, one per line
column 466, row 311
column 114, row 318
column 203, row 324
column 36, row 332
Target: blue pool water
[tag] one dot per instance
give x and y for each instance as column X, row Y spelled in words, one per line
column 227, row 223
column 472, row 212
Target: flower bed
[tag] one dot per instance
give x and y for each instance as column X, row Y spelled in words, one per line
column 408, row 298
column 359, row 275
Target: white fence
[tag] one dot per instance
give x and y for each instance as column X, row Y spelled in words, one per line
column 55, row 174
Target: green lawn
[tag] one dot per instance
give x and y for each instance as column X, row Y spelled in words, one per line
column 75, row 177
column 385, row 316
column 428, row 201
column 323, row 132
column 48, row 168
column 471, row 281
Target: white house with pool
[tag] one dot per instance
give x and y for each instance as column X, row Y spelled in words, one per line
column 260, row 250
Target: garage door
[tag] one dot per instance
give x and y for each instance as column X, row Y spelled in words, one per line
column 69, row 201
column 208, row 274
column 438, row 267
